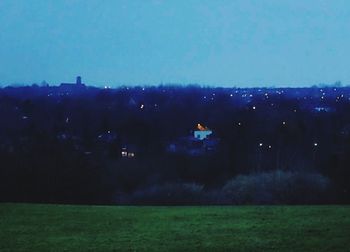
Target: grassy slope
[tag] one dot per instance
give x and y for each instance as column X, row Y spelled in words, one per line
column 25, row 227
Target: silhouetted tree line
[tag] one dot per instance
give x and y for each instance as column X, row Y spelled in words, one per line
column 277, row 146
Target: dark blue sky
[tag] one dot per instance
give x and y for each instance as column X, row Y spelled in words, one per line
column 211, row 42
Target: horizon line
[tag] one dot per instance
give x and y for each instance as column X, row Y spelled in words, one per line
column 182, row 85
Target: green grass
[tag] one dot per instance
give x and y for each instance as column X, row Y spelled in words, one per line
column 29, row 227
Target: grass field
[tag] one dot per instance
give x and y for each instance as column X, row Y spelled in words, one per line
column 28, row 227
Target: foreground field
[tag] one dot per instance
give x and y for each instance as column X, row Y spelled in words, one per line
column 26, row 227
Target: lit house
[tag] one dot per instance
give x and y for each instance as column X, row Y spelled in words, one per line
column 128, row 152
column 201, row 143
column 202, row 132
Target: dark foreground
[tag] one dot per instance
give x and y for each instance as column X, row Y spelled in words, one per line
column 28, row 227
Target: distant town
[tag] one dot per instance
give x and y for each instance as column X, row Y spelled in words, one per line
column 82, row 144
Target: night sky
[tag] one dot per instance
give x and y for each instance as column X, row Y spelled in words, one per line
column 210, row 42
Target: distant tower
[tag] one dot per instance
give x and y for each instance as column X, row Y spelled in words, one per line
column 78, row 80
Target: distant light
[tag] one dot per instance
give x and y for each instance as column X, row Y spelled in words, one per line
column 315, row 144
column 67, row 120
column 295, row 110
column 143, row 89
column 284, row 123
column 239, row 124
column 254, row 107
column 260, row 144
column 109, row 132
column 231, row 95
column 142, row 106
column 270, row 146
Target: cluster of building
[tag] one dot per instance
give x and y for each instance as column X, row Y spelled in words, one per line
column 200, row 142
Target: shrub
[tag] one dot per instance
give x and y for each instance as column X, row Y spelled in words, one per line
column 277, row 187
